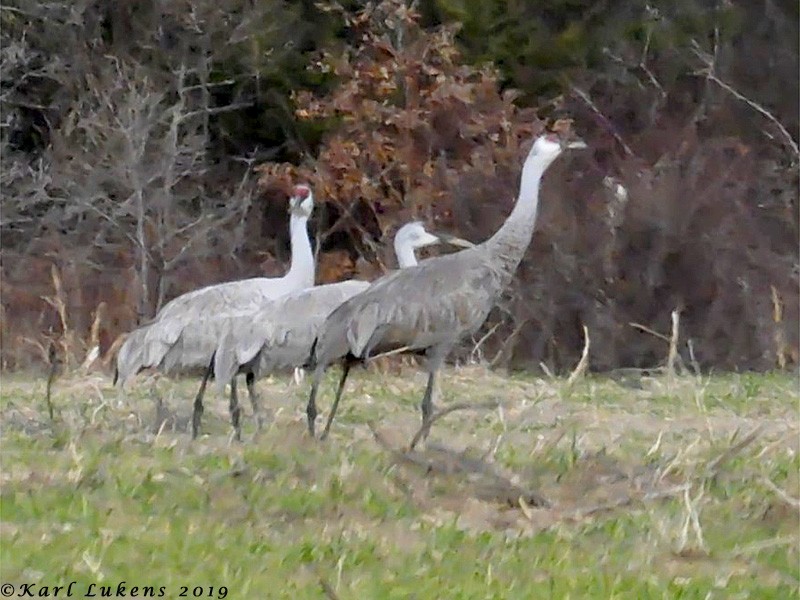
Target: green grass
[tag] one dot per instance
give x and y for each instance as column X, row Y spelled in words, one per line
column 655, row 490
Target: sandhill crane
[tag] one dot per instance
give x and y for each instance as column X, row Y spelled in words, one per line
column 173, row 339
column 427, row 309
column 279, row 335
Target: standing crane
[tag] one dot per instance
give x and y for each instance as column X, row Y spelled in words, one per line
column 279, row 335
column 178, row 337
column 428, row 308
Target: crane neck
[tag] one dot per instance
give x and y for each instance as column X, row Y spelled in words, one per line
column 301, row 271
column 405, row 255
column 509, row 243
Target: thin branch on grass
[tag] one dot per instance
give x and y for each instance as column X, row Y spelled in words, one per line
column 682, row 452
column 525, row 508
column 714, row 466
column 52, row 356
column 791, row 432
column 492, row 404
column 546, row 370
column 673, row 343
column 692, row 359
column 656, row 445
column 692, row 519
column 626, row 500
column 487, row 482
column 793, row 502
column 327, row 589
column 757, row 547
column 781, row 347
column 583, row 364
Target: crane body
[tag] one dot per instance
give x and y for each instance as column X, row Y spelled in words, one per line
column 280, row 334
column 427, row 309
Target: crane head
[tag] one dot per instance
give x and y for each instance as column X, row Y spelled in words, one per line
column 548, row 146
column 415, row 235
column 301, row 202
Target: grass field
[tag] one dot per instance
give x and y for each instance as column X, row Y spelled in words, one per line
column 649, row 489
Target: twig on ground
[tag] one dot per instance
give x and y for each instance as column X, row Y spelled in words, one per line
column 583, row 364
column 52, row 356
column 626, row 500
column 486, row 483
column 682, row 452
column 714, row 466
column 673, row 343
column 327, row 588
column 446, row 411
column 526, row 510
column 757, row 547
column 793, row 502
column 693, row 520
column 781, row 347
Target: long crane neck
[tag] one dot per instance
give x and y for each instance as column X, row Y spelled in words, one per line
column 508, row 245
column 301, row 271
column 405, row 254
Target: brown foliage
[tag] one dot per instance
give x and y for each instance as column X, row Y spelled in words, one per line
column 410, row 121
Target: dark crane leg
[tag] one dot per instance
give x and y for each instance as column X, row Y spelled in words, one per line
column 235, row 410
column 197, row 413
column 311, row 408
column 427, row 403
column 435, row 358
column 345, row 370
column 250, row 378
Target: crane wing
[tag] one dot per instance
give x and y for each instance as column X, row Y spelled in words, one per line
column 281, row 333
column 436, row 302
column 246, row 294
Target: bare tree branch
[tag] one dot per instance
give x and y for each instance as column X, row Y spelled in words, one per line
column 708, row 72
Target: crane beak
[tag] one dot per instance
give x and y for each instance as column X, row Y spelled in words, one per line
column 576, row 144
column 446, row 238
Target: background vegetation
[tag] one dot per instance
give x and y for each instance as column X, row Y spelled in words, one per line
column 147, row 147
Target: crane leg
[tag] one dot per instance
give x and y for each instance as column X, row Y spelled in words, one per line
column 427, row 404
column 345, row 370
column 434, row 358
column 311, row 408
column 197, row 413
column 235, row 411
column 250, row 378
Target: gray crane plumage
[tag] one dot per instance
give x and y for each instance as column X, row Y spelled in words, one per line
column 183, row 335
column 279, row 336
column 281, row 333
column 427, row 309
